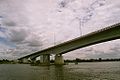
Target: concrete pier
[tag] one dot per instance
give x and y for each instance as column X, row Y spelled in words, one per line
column 32, row 60
column 45, row 59
column 25, row 60
column 59, row 59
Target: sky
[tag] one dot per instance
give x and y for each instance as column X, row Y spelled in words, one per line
column 28, row 26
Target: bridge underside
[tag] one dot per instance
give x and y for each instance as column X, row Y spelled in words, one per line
column 106, row 34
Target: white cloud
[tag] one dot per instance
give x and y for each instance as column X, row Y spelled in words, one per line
column 36, row 24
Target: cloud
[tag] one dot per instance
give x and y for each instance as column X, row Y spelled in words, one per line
column 109, row 49
column 18, row 35
column 113, row 54
column 33, row 25
column 33, row 40
column 10, row 23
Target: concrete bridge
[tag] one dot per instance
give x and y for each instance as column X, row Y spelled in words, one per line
column 103, row 35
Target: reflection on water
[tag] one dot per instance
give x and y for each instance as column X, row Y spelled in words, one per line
column 82, row 71
column 59, row 73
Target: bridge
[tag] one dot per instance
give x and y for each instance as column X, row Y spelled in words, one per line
column 106, row 34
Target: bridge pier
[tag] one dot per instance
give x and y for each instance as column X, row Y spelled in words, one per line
column 33, row 60
column 45, row 59
column 25, row 60
column 59, row 59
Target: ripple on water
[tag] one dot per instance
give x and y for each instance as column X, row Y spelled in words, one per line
column 82, row 71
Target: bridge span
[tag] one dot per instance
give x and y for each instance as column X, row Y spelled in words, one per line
column 106, row 34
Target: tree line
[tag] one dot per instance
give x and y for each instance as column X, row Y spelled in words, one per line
column 93, row 60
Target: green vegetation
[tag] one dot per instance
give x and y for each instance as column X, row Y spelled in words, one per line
column 92, row 60
column 76, row 61
column 5, row 61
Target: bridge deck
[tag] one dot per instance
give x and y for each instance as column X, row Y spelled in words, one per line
column 105, row 34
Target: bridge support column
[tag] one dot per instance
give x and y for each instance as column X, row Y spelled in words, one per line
column 59, row 59
column 45, row 59
column 33, row 60
column 25, row 60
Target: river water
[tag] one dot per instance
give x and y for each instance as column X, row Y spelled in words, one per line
column 82, row 71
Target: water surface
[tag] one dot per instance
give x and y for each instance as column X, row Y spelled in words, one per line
column 82, row 71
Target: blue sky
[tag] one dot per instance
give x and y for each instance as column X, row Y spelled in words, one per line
column 31, row 25
column 3, row 38
column 6, row 42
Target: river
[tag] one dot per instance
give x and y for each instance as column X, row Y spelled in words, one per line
column 82, row 71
